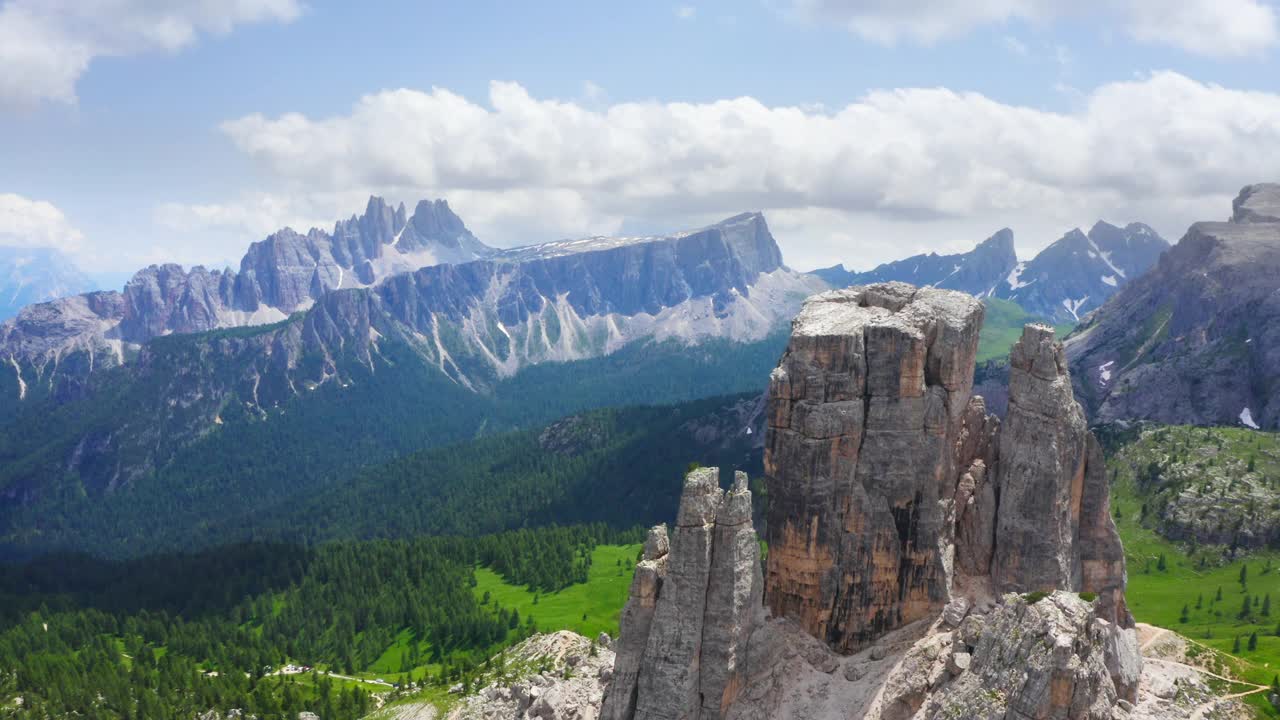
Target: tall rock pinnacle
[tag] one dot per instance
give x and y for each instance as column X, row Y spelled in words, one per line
column 693, row 605
column 925, row 560
column 865, row 409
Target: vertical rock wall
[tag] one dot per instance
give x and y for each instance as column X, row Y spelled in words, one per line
column 684, row 631
column 865, row 410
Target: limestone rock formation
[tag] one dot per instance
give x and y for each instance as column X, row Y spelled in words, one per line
column 1054, row 528
column 905, row 526
column 866, row 408
column 683, row 647
column 573, row 673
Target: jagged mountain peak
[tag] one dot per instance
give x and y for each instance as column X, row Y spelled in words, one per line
column 1076, row 273
column 977, row 272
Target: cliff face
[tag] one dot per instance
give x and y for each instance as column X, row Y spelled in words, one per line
column 904, row 525
column 694, row 603
column 864, row 412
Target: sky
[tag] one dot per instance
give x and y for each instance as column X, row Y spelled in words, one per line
column 146, row 131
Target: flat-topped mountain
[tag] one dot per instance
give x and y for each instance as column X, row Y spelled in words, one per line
column 1196, row 339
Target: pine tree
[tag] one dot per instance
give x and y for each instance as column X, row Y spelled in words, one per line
column 1199, row 601
column 1161, row 565
column 1235, row 645
column 1266, row 605
column 1253, row 641
column 1246, row 607
column 1183, row 618
column 1219, row 596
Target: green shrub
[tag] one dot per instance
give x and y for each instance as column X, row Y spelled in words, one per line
column 1088, row 596
column 1035, row 597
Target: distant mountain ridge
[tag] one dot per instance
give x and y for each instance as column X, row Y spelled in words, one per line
column 1077, row 273
column 449, row 339
column 35, row 275
column 282, row 274
column 1062, row 283
column 1197, row 339
column 976, row 272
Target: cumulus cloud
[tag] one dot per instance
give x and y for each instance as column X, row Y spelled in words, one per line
column 1222, row 28
column 1162, row 148
column 46, row 45
column 35, row 223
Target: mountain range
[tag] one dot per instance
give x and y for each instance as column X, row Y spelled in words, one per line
column 36, row 275
column 354, row 376
column 1062, row 283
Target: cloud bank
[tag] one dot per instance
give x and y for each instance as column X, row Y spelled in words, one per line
column 1215, row 28
column 36, row 223
column 1163, row 148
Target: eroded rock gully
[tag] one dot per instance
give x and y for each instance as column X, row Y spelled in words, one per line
column 925, row 560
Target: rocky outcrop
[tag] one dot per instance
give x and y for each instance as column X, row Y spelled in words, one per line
column 1195, row 340
column 556, row 676
column 685, row 628
column 926, row 560
column 866, row 407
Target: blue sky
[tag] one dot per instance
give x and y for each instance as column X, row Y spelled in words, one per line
column 865, row 130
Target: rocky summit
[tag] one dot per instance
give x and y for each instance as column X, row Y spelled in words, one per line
column 280, row 275
column 925, row 560
column 1077, row 273
column 1197, row 339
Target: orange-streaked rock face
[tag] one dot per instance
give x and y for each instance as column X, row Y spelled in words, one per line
column 866, row 410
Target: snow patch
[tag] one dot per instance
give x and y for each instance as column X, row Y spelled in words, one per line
column 1246, row 418
column 1014, row 277
column 22, row 384
column 1104, row 372
column 1073, row 306
column 1109, row 280
column 1106, row 257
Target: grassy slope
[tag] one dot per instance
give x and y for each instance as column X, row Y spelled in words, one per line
column 1157, row 597
column 1003, row 326
column 587, row 609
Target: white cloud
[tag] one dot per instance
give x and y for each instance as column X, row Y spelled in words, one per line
column 1207, row 27
column 1220, row 28
column 1015, row 46
column 46, row 45
column 1163, row 148
column 36, row 223
column 686, row 12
